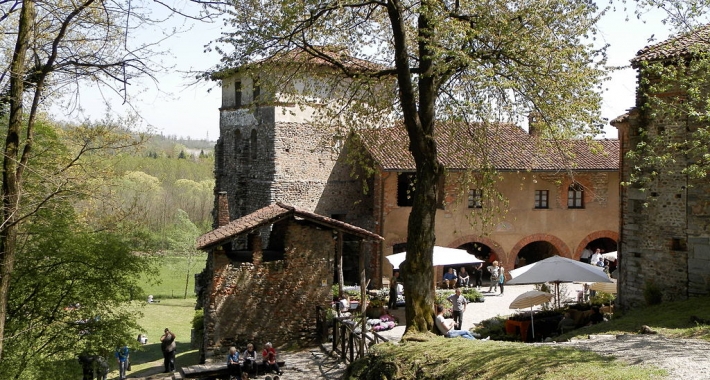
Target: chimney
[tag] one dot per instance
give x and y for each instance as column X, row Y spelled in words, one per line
column 533, row 122
column 222, row 209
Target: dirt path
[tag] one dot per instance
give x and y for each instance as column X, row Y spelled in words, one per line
column 683, row 358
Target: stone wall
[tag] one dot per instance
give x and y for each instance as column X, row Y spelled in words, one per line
column 272, row 301
column 665, row 225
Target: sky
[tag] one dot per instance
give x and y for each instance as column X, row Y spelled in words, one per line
column 173, row 107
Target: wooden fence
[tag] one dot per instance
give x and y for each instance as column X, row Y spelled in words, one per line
column 349, row 343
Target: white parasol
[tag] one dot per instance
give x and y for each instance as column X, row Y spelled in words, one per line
column 442, row 256
column 557, row 269
column 530, row 299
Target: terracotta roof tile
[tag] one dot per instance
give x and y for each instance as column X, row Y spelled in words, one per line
column 506, row 147
column 681, row 46
column 269, row 215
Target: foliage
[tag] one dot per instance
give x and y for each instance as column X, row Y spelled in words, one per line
column 602, row 298
column 652, row 293
column 198, row 322
column 71, row 294
column 471, row 294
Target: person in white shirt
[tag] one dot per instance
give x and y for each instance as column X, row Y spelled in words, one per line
column 596, row 256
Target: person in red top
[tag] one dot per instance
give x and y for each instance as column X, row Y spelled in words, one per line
column 269, row 357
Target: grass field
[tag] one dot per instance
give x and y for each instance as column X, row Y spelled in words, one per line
column 172, row 273
column 173, row 311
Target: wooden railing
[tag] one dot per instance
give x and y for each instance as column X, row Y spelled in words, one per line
column 348, row 343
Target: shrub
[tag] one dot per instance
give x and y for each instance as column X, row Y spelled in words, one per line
column 652, row 294
column 198, row 321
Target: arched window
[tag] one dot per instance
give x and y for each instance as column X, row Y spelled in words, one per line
column 575, row 196
column 237, row 145
column 252, row 144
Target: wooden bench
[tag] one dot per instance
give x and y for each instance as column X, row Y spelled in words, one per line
column 217, row 370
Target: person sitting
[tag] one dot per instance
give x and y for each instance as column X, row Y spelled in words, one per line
column 233, row 366
column 250, row 363
column 446, row 326
column 450, row 279
column 463, row 278
column 344, row 305
column 268, row 356
column 566, row 324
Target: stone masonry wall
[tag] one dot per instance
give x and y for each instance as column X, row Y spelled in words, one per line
column 273, row 301
column 664, row 229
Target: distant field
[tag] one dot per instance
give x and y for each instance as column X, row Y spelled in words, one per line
column 173, row 271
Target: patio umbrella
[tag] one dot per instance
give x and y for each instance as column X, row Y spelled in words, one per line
column 442, row 256
column 612, row 256
column 530, row 299
column 606, row 287
column 557, row 269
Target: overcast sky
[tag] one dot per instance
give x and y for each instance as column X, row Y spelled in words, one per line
column 182, row 110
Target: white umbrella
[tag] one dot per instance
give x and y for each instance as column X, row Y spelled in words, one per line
column 442, row 256
column 530, row 299
column 557, row 269
column 612, row 256
column 605, row 287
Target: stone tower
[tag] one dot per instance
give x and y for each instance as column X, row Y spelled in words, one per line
column 665, row 221
column 272, row 149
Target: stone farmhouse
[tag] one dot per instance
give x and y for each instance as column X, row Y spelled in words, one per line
column 259, row 290
column 665, row 229
column 271, row 150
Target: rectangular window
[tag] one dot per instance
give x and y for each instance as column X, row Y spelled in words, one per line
column 237, row 94
column 541, row 197
column 406, row 186
column 475, row 198
column 575, row 196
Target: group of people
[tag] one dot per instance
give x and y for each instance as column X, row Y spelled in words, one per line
column 240, row 366
column 597, row 258
column 462, row 279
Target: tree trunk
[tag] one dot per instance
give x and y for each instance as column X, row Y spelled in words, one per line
column 11, row 180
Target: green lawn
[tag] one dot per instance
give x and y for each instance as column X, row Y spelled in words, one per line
column 426, row 356
column 172, row 274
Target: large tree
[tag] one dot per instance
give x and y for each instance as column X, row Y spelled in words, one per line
column 58, row 45
column 451, row 60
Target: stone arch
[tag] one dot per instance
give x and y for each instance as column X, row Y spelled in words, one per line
column 492, row 244
column 613, row 235
column 560, row 245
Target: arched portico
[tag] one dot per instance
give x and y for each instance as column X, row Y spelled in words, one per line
column 604, row 234
column 556, row 242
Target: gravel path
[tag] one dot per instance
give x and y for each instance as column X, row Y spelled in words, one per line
column 683, row 358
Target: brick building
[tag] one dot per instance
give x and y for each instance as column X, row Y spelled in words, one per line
column 266, row 288
column 665, row 234
column 271, row 151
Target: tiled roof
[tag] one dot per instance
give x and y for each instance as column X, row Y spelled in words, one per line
column 681, row 46
column 315, row 56
column 501, row 146
column 270, row 215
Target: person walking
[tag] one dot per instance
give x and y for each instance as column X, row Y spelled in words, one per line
column 458, row 307
column 168, row 345
column 494, row 270
column 478, row 275
column 501, row 279
column 122, row 357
